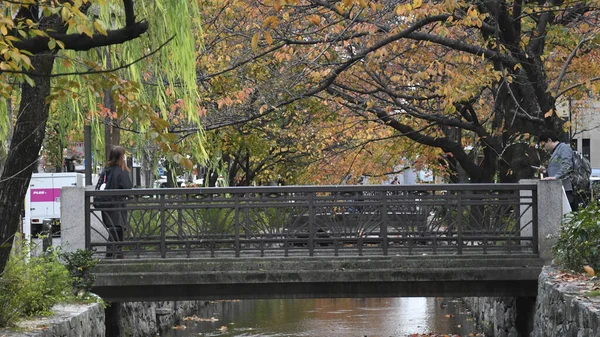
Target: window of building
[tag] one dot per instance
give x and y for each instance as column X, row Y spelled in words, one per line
column 585, row 148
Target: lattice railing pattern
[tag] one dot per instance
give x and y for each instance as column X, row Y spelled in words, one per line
column 318, row 220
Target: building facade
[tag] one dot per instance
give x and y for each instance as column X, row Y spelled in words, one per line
column 585, row 127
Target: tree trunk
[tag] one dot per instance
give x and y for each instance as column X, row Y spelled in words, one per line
column 148, row 167
column 25, row 146
column 6, row 145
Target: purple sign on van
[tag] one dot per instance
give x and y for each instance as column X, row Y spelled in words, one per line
column 44, row 194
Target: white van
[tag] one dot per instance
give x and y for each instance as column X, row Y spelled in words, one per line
column 42, row 200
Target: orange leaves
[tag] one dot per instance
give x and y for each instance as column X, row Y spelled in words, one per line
column 314, row 19
column 238, row 97
column 270, row 22
column 268, row 38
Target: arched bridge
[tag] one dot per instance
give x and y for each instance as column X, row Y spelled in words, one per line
column 317, row 241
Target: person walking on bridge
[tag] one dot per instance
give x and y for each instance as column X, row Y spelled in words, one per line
column 117, row 177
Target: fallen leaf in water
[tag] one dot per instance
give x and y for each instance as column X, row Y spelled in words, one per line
column 179, row 327
column 222, row 328
column 200, row 319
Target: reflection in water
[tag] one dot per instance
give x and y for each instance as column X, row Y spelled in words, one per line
column 347, row 317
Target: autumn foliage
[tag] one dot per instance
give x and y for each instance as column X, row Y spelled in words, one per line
column 460, row 85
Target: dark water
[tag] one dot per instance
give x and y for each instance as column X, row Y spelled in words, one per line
column 372, row 317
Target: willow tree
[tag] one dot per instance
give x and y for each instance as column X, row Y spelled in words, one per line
column 470, row 81
column 33, row 35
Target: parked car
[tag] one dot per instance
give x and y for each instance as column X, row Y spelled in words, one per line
column 595, row 183
column 162, row 182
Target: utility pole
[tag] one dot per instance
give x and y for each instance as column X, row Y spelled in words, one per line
column 87, row 149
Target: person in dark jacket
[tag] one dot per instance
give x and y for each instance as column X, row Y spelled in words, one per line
column 117, row 177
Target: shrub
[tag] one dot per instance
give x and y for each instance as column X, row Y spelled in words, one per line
column 579, row 240
column 32, row 285
column 81, row 265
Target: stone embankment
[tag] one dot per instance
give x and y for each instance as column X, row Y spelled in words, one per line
column 135, row 319
column 143, row 319
column 566, row 306
column 71, row 320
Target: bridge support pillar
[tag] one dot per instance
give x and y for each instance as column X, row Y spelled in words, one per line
column 72, row 218
column 549, row 214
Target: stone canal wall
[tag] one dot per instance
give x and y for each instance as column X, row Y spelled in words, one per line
column 72, row 320
column 135, row 319
column 564, row 307
column 495, row 315
column 143, row 319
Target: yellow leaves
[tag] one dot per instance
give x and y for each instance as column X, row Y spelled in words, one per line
column 38, row 32
column 263, row 108
column 549, row 113
column 100, row 27
column 4, row 30
column 405, row 9
column 83, row 29
column 402, row 10
column 255, row 42
column 65, row 14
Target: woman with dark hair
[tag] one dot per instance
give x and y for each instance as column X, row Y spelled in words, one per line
column 116, row 175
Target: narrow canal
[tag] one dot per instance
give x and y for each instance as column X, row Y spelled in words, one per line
column 372, row 317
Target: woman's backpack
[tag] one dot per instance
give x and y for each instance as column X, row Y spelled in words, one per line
column 104, row 182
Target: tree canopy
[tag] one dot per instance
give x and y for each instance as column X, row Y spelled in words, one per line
column 471, row 81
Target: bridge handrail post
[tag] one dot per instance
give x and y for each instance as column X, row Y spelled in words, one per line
column 549, row 215
column 459, row 218
column 535, row 223
column 236, row 197
column 311, row 223
column 163, row 229
column 87, row 222
column 384, row 223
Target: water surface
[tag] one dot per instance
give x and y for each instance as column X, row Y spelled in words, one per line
column 347, row 317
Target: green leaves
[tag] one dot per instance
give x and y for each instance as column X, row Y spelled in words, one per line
column 578, row 243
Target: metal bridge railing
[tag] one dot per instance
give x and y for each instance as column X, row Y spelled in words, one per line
column 364, row 220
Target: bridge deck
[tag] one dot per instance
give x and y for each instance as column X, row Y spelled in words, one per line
column 242, row 278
